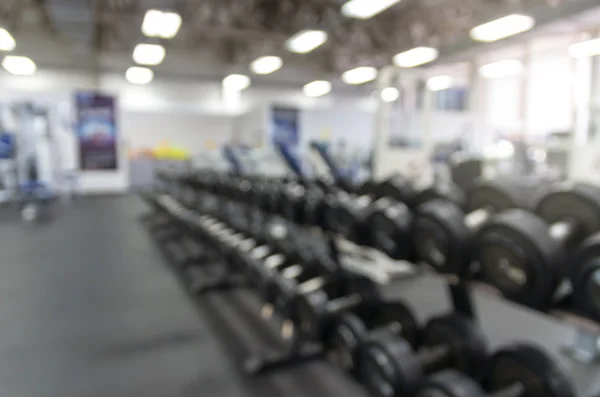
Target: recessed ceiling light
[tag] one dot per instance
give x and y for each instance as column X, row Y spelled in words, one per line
column 317, row 88
column 507, row 67
column 7, row 42
column 390, row 94
column 439, row 83
column 415, row 57
column 306, row 41
column 19, row 65
column 149, row 54
column 586, row 48
column 138, row 75
column 359, row 75
column 161, row 24
column 365, row 9
column 236, row 82
column 266, row 65
column 501, row 28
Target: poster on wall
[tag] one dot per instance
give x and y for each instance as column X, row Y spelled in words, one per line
column 284, row 126
column 96, row 130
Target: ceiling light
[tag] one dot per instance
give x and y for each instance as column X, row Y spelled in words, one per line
column 306, row 41
column 161, row 24
column 509, row 25
column 266, row 65
column 390, row 94
column 236, row 82
column 317, row 88
column 359, row 75
column 149, row 54
column 415, row 57
column 7, row 42
column 365, row 9
column 19, row 65
column 586, row 48
column 439, row 83
column 507, row 67
column 137, row 75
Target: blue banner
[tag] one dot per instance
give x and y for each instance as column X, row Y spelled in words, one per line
column 284, row 126
column 96, row 130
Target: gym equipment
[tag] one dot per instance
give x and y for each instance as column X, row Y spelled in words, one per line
column 523, row 254
column 585, row 277
column 390, row 367
column 516, row 371
column 443, row 233
column 351, row 332
column 400, row 189
column 316, row 307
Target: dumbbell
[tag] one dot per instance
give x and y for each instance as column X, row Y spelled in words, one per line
column 400, row 189
column 519, row 370
column 316, row 306
column 443, row 233
column 352, row 332
column 585, row 277
column 524, row 254
column 389, row 366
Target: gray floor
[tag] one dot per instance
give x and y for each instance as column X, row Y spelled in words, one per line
column 88, row 308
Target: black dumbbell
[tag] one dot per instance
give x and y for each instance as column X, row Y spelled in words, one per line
column 443, row 233
column 517, row 371
column 352, row 332
column 389, row 366
column 523, row 254
column 584, row 274
column 316, row 306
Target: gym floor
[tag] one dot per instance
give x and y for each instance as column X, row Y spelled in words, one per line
column 88, row 308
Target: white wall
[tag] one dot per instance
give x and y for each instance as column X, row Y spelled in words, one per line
column 182, row 114
column 191, row 131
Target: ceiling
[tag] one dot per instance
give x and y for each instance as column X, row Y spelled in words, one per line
column 219, row 36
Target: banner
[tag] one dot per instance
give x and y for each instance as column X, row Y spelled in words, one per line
column 284, row 126
column 96, row 130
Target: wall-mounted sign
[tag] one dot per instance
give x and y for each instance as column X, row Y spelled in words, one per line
column 96, row 130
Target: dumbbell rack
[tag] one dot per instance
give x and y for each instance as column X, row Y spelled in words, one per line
column 461, row 300
column 233, row 314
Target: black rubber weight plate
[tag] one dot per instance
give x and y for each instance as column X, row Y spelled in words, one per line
column 584, row 275
column 467, row 343
column 446, row 220
column 521, row 233
column 531, row 366
column 397, row 312
column 572, row 201
column 499, row 194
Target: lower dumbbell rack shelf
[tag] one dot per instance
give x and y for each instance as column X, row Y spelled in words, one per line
column 235, row 316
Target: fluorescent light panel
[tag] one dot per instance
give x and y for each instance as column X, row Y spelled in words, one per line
column 390, row 94
column 236, row 82
column 138, row 75
column 161, row 24
column 415, row 57
column 149, row 54
column 365, row 9
column 586, row 48
column 19, row 65
column 7, row 42
column 359, row 75
column 266, row 65
column 507, row 67
column 306, row 41
column 317, row 88
column 504, row 27
column 439, row 83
